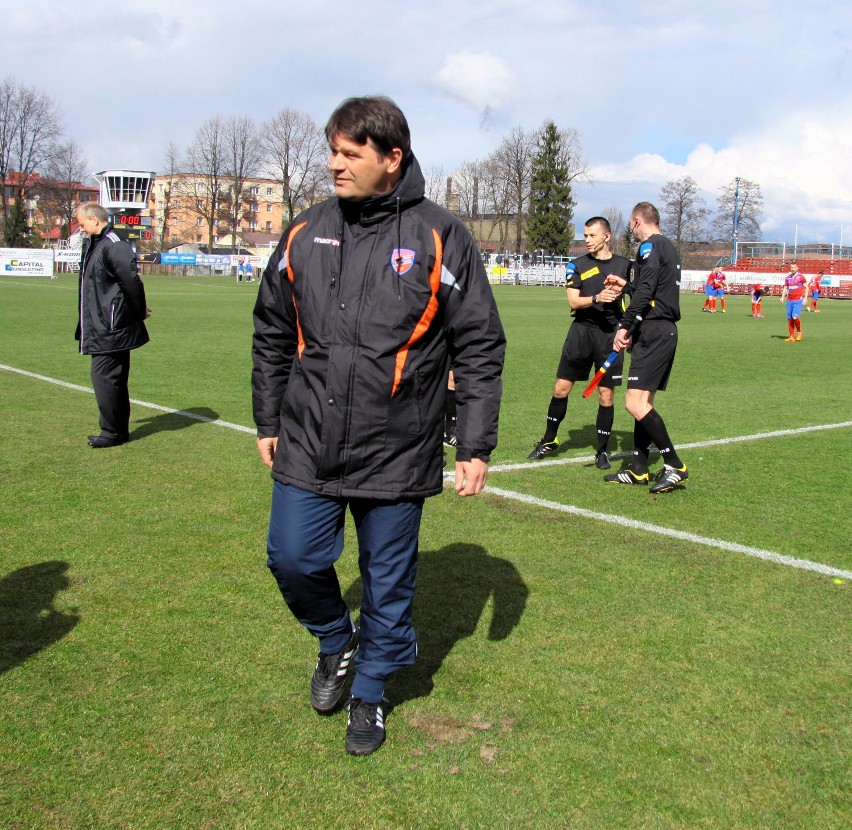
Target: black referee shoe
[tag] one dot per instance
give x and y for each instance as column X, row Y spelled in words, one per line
column 330, row 676
column 365, row 729
column 668, row 478
column 602, row 461
column 627, row 476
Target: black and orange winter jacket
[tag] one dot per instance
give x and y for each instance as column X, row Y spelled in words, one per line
column 362, row 308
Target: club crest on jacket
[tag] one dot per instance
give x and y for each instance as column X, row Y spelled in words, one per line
column 402, row 259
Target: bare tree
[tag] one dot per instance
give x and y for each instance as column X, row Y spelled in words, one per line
column 30, row 126
column 683, row 212
column 59, row 188
column 436, row 184
column 617, row 223
column 465, row 192
column 496, row 200
column 164, row 199
column 295, row 155
column 514, row 164
column 746, row 198
column 205, row 184
column 243, row 157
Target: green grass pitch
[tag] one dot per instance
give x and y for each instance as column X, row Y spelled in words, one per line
column 575, row 671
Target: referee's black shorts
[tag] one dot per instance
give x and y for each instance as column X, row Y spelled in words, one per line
column 652, row 355
column 587, row 346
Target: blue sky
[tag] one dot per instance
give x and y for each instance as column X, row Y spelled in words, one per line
column 656, row 90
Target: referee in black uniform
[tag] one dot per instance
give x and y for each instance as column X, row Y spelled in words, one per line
column 656, row 297
column 596, row 281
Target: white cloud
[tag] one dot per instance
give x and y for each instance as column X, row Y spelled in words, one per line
column 803, row 164
column 482, row 81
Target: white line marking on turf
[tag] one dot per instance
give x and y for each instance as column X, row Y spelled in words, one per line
column 183, row 412
column 768, row 555
column 582, row 459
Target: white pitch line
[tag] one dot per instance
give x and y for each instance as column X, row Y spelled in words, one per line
column 183, row 412
column 768, row 555
column 757, row 436
column 758, row 553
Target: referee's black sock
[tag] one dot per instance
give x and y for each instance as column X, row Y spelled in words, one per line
column 641, row 448
column 555, row 415
column 606, row 415
column 655, row 428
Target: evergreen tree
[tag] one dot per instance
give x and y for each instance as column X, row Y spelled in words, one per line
column 549, row 226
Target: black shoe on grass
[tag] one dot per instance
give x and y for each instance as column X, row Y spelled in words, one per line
column 602, row 461
column 627, row 476
column 330, row 676
column 668, row 478
column 543, row 448
column 365, row 729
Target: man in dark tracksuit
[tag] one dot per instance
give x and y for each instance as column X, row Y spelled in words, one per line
column 656, row 297
column 110, row 322
column 365, row 302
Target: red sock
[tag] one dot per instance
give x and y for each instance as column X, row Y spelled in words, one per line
column 723, row 305
column 798, row 324
column 792, row 327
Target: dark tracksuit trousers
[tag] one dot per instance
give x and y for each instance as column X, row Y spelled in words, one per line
column 110, row 374
column 306, row 539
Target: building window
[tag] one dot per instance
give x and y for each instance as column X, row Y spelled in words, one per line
column 269, row 226
column 174, row 222
column 199, row 204
column 199, row 222
column 216, row 238
column 268, row 208
column 198, row 238
column 253, row 225
column 268, row 191
column 255, row 191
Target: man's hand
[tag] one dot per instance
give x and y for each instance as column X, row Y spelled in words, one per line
column 621, row 341
column 470, row 477
column 266, row 448
column 147, row 312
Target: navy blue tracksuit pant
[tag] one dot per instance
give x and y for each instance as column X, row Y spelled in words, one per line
column 306, row 539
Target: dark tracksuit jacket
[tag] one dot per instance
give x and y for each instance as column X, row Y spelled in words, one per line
column 111, row 301
column 361, row 310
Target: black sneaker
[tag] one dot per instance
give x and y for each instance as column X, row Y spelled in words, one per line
column 627, row 476
column 365, row 729
column 602, row 461
column 667, row 478
column 451, row 439
column 330, row 676
column 543, row 448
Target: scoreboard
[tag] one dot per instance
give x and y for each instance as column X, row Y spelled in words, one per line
column 132, row 226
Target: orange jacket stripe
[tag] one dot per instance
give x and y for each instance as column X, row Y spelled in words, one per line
column 428, row 314
column 301, row 344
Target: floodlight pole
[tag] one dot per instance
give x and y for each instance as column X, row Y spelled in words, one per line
column 736, row 221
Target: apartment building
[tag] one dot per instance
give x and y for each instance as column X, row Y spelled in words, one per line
column 183, row 206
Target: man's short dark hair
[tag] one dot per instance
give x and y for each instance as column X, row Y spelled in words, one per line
column 371, row 118
column 599, row 220
column 647, row 212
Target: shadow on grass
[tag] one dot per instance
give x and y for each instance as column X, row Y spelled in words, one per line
column 171, row 421
column 587, row 436
column 28, row 620
column 454, row 585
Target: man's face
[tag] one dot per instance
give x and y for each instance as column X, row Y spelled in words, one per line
column 597, row 239
column 89, row 224
column 359, row 170
column 794, row 267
